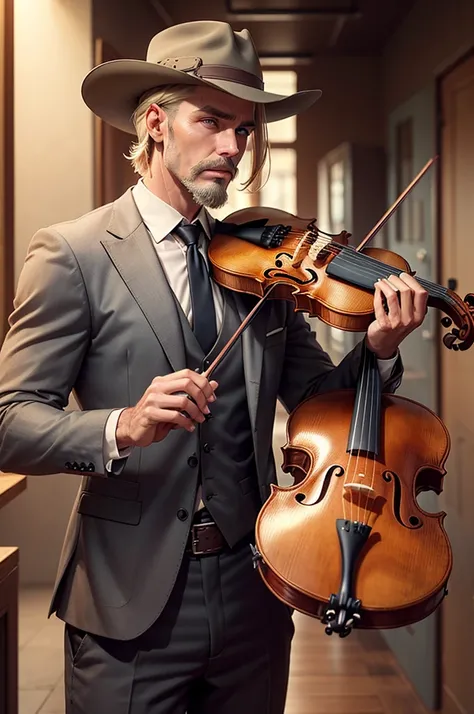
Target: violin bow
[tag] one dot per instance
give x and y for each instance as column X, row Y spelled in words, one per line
column 397, row 203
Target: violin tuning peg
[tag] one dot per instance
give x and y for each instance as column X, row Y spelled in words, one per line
column 446, row 322
column 449, row 340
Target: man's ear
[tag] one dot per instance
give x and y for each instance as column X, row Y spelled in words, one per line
column 155, row 121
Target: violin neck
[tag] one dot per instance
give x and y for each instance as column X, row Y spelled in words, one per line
column 364, row 435
column 363, row 271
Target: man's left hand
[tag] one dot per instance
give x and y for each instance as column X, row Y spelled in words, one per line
column 405, row 310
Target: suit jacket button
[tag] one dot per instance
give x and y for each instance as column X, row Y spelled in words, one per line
column 193, row 461
column 68, row 465
column 91, row 467
column 182, row 514
column 83, row 467
column 206, row 448
column 75, row 466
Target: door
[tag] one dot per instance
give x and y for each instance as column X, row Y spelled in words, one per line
column 457, row 391
column 410, row 232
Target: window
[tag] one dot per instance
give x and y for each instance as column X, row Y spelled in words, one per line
column 279, row 190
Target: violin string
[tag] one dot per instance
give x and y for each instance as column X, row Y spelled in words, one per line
column 376, row 269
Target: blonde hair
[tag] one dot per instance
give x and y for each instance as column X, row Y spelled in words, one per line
column 168, row 98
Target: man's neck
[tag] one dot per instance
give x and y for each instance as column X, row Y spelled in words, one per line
column 174, row 194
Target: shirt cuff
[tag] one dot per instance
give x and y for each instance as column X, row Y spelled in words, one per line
column 110, row 449
column 386, row 366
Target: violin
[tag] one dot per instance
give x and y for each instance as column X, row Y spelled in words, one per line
column 292, row 259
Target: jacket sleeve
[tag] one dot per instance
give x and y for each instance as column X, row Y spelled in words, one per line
column 309, row 370
column 39, row 362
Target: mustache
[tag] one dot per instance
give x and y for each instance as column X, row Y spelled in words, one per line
column 216, row 165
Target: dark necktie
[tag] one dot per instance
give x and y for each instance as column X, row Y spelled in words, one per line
column 202, row 301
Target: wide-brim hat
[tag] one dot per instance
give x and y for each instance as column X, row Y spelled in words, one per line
column 205, row 52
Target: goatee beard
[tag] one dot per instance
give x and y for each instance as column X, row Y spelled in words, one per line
column 214, row 195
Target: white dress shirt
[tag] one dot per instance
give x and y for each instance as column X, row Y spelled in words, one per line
column 161, row 219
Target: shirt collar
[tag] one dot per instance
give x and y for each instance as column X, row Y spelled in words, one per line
column 160, row 217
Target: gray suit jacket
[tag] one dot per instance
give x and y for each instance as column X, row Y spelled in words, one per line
column 94, row 314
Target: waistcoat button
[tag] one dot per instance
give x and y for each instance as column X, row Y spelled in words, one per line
column 182, row 514
column 206, row 448
column 193, row 462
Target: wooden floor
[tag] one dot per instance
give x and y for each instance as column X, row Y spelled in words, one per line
column 354, row 675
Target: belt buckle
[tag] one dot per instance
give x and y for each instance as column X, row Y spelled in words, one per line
column 195, row 540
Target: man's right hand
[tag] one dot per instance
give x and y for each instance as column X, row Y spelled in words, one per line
column 164, row 407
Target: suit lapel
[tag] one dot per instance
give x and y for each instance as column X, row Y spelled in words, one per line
column 131, row 251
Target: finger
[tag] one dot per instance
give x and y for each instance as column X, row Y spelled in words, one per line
column 391, row 293
column 206, row 387
column 420, row 297
column 406, row 295
column 379, row 309
column 174, row 417
column 184, row 385
column 181, row 403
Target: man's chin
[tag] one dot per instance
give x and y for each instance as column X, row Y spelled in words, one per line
column 211, row 194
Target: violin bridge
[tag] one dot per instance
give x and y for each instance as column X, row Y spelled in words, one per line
column 319, row 245
column 302, row 249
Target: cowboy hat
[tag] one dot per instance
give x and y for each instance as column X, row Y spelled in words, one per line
column 206, row 53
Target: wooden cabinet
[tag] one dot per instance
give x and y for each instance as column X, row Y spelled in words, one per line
column 8, row 630
column 11, row 486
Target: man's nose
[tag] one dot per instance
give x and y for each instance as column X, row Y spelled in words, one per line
column 228, row 144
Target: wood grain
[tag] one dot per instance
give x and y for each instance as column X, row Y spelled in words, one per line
column 11, row 485
column 359, row 674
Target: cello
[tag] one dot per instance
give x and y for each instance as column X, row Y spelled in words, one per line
column 347, row 543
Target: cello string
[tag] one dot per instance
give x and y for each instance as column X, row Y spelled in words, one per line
column 357, row 407
column 365, row 390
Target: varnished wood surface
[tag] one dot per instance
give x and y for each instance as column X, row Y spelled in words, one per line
column 355, row 675
column 11, row 485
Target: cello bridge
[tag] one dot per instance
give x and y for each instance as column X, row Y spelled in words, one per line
column 361, row 488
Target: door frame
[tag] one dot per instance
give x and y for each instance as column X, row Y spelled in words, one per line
column 466, row 55
column 6, row 165
column 440, row 78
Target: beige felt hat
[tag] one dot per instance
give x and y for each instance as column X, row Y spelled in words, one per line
column 205, row 52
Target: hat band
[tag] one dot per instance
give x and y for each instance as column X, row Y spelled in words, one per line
column 194, row 65
column 229, row 74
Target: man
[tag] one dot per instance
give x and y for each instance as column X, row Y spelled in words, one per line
column 164, row 612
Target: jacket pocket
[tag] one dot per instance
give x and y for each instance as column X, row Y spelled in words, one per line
column 108, row 508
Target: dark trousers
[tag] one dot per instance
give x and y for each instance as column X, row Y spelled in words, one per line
column 221, row 646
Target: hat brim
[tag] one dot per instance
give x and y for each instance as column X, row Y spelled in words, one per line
column 113, row 90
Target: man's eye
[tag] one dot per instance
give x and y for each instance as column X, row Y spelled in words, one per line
column 211, row 121
column 243, row 131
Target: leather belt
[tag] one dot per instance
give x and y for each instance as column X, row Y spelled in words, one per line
column 205, row 539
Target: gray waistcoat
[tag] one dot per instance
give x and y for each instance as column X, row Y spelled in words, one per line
column 225, row 447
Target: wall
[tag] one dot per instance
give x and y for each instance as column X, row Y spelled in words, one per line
column 432, row 37
column 54, row 178
column 350, row 109
column 53, row 182
column 127, row 26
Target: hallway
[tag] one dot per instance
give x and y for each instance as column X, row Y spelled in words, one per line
column 328, row 675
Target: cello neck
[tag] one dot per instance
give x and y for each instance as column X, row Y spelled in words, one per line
column 364, row 435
